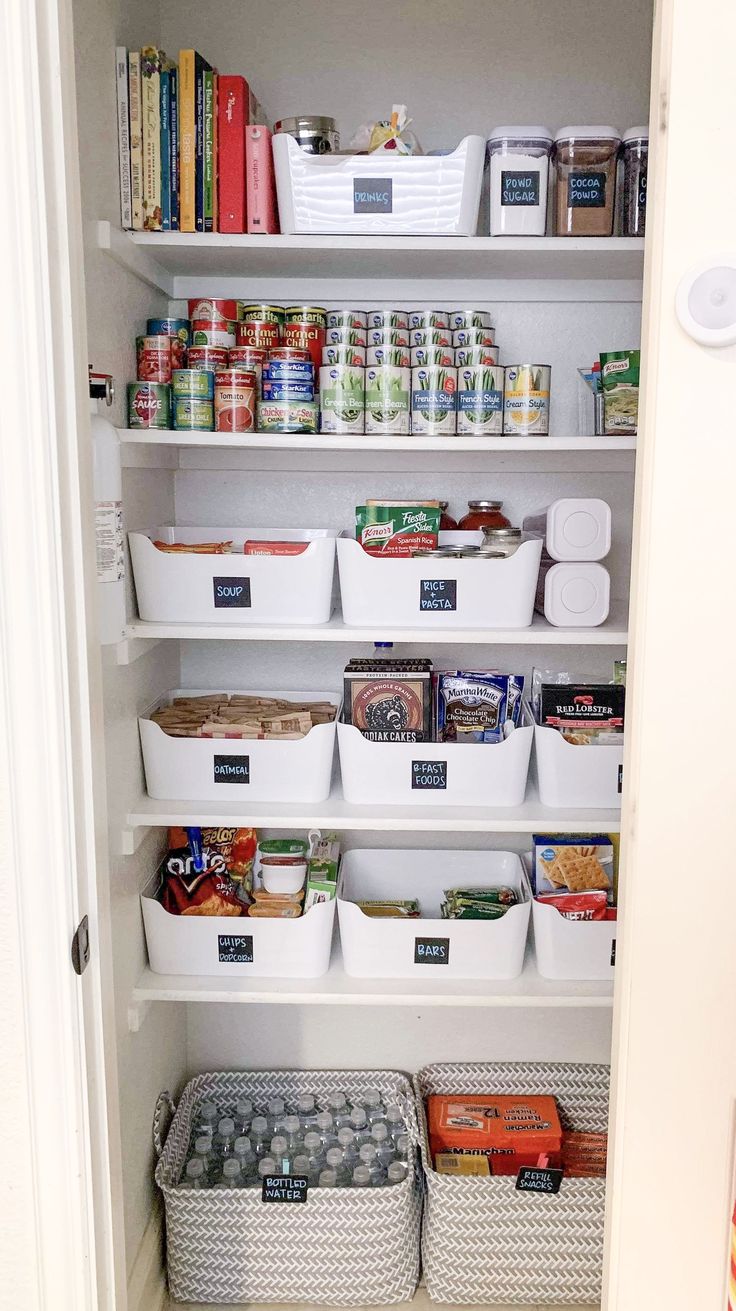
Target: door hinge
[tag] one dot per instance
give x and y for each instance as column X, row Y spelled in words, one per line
column 80, row 946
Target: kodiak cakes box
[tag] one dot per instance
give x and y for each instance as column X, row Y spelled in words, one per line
column 389, row 700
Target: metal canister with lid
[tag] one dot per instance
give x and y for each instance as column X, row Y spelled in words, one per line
column 501, row 541
column 317, row 134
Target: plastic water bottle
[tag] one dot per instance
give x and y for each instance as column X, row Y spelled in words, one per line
column 396, row 1173
column 302, row 1165
column 372, row 1105
column 340, row 1111
column 206, row 1119
column 293, row 1133
column 203, row 1151
column 336, row 1161
column 395, row 1121
column 231, row 1176
column 402, row 1147
column 266, row 1166
column 195, row 1175
column 306, row 1109
column 243, row 1152
column 225, row 1137
column 260, row 1136
column 359, row 1125
column 243, row 1116
column 276, row 1111
column 369, row 1158
column 326, row 1130
column 328, row 1179
column 280, row 1154
column 314, row 1151
column 346, row 1140
column 361, row 1177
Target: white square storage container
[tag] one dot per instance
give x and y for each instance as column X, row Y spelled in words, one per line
column 228, row 946
column 238, row 769
column 430, row 947
column 234, row 588
column 569, row 775
column 432, row 593
column 382, row 192
column 571, row 949
column 434, row 773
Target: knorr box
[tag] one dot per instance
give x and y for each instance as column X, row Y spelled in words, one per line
column 386, row 529
column 620, row 386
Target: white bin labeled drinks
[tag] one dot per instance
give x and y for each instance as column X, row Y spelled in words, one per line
column 234, row 588
column 433, row 593
column 430, row 947
column 434, row 773
column 570, row 775
column 238, row 946
column 239, row 769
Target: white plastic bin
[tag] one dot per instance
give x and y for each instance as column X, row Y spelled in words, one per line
column 380, row 192
column 433, row 593
column 570, row 949
column 574, row 528
column 434, row 773
column 430, row 947
column 234, row 588
column 237, row 946
column 201, row 769
column 568, row 775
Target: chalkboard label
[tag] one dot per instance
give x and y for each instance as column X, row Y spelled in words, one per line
column 232, row 769
column 620, row 777
column 284, row 1188
column 373, row 196
column 438, row 594
column 431, row 951
column 235, row 948
column 519, row 188
column 231, row 593
column 613, row 952
column 586, row 190
column 429, row 775
column 533, row 1179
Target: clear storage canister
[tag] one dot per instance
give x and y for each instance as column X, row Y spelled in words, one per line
column 635, row 156
column 518, row 167
column 585, row 167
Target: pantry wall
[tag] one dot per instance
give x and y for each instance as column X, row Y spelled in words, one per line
column 460, row 70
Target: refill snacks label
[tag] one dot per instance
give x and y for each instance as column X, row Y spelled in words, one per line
column 429, row 775
column 231, row 769
column 586, row 190
column 373, row 196
column 519, row 188
column 479, row 399
column 231, row 593
column 235, row 948
column 534, row 1179
column 431, row 951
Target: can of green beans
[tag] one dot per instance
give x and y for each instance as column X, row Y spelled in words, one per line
column 433, row 400
column 479, row 399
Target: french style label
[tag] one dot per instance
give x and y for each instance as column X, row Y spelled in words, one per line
column 373, row 196
column 438, row 594
column 235, row 948
column 431, row 951
column 284, row 1188
column 586, row 190
column 532, row 1179
column 231, row 593
column 231, row 769
column 429, row 775
column 519, row 188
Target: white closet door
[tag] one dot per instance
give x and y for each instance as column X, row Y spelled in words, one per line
column 670, row 1192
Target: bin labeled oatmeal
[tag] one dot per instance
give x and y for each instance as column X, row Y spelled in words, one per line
column 387, row 399
column 526, row 399
column 479, row 399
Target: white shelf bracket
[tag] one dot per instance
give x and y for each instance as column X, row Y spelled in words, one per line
column 137, row 1012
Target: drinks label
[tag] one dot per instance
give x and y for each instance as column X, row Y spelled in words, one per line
column 373, row 196
column 519, row 188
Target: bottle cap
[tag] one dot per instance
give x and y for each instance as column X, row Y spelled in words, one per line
column 278, row 1146
column 301, row 1164
column 202, row 1144
column 267, row 1166
column 361, row 1175
column 306, row 1102
column 379, row 1132
column 231, row 1168
column 244, row 1106
column 345, row 1137
column 312, row 1140
column 208, row 1111
column 394, row 1114
column 195, row 1169
column 259, row 1125
column 334, row 1156
column 291, row 1124
column 358, row 1117
column 242, row 1146
column 396, row 1172
column 324, row 1120
column 327, row 1179
column 277, row 1106
column 226, row 1127
column 367, row 1152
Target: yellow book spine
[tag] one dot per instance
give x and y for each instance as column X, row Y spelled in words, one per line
column 187, row 135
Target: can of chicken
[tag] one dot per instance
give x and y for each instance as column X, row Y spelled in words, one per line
column 235, row 401
column 149, row 405
column 154, row 359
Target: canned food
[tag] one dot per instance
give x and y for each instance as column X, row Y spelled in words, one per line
column 480, row 399
column 430, row 337
column 149, row 405
column 308, row 336
column 433, row 400
column 213, row 310
column 258, row 332
column 249, row 359
column 288, row 353
column 388, row 337
column 526, row 399
column 476, row 355
column 289, row 371
column 317, row 134
column 287, row 416
column 154, row 359
column 342, row 398
column 194, row 414
column 443, row 355
column 388, row 319
column 398, row 356
column 286, row 390
column 213, row 332
column 178, row 331
column 470, row 319
column 346, row 336
column 441, row 552
column 473, row 337
column 306, row 314
column 347, row 319
column 261, row 313
column 198, row 383
column 501, row 541
column 429, row 319
column 207, row 357
column 387, row 399
column 235, row 401
column 355, row 355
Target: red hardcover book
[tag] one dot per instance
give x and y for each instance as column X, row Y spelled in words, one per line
column 232, row 117
column 260, row 184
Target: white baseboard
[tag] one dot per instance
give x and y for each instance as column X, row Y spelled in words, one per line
column 147, row 1283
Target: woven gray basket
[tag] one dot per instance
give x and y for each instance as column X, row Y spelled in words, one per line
column 342, row 1247
column 482, row 1241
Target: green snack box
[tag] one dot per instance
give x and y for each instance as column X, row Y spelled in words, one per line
column 284, row 847
column 322, row 872
column 620, row 386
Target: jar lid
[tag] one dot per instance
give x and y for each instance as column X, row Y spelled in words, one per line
column 306, row 123
column 504, row 534
column 636, row 134
column 444, row 504
column 522, row 131
column 587, row 133
column 485, row 505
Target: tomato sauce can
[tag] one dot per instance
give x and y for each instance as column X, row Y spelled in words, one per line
column 193, row 414
column 306, row 314
column 178, row 330
column 213, row 310
column 194, row 383
column 258, row 332
column 235, row 401
column 213, row 332
column 207, row 357
column 149, row 405
column 261, row 314
column 153, row 359
column 308, row 336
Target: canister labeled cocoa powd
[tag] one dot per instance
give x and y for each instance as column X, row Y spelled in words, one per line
column 585, row 169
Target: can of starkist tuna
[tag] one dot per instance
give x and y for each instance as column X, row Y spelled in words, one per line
column 213, row 309
column 235, row 401
column 154, row 359
column 149, row 405
column 301, row 371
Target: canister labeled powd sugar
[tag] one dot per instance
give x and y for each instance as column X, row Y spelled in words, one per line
column 430, row 337
column 387, row 399
column 213, row 332
column 235, row 401
column 198, row 383
column 193, row 414
column 470, row 319
column 347, row 319
column 399, row 356
column 479, row 400
column 429, row 319
column 388, row 337
column 387, row 319
column 355, row 355
column 149, row 405
column 526, row 399
column 433, row 400
column 287, row 416
column 473, row 337
column 342, row 398
column 476, row 355
column 345, row 337
column 420, row 355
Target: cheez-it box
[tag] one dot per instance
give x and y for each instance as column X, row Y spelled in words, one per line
column 510, row 1131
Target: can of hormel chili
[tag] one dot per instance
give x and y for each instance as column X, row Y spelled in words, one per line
column 149, row 405
column 307, row 336
column 258, row 332
column 153, row 359
column 261, row 314
column 235, row 401
column 213, row 332
column 208, row 357
column 178, row 330
column 213, row 310
column 306, row 314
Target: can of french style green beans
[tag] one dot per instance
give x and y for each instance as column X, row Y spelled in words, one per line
column 433, row 400
column 435, row 355
column 479, row 399
column 476, row 355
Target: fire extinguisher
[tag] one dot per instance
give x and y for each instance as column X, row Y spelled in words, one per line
column 108, row 495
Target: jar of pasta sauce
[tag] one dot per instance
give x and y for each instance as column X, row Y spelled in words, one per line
column 446, row 520
column 483, row 514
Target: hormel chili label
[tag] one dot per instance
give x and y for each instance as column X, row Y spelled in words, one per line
column 582, row 706
column 258, row 332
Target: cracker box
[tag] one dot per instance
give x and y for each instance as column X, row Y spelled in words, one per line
column 569, row 862
column 510, row 1132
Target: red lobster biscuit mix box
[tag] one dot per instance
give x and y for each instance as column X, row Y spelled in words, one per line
column 510, row 1131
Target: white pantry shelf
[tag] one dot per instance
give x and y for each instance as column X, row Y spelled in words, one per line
column 286, row 441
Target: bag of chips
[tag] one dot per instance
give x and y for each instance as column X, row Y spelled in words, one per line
column 208, row 871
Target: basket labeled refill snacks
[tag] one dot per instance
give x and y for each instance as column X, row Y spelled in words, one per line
column 484, row 1241
column 342, row 1246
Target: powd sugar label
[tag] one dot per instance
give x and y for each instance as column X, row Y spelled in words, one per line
column 519, row 188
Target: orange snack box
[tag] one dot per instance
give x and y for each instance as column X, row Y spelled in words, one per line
column 510, row 1131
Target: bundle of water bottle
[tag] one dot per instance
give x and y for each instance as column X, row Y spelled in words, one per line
column 336, row 1141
